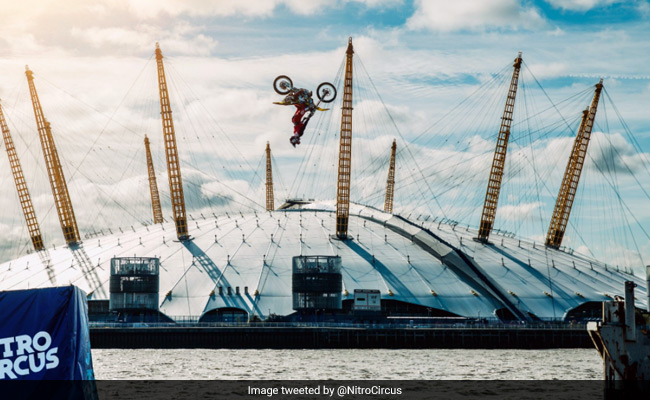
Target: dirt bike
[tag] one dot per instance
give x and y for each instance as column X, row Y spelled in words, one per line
column 301, row 98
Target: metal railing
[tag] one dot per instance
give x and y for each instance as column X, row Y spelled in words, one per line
column 342, row 325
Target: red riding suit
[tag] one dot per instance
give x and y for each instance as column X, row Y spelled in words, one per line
column 301, row 98
column 298, row 125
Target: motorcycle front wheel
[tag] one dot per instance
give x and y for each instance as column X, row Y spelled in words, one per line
column 326, row 92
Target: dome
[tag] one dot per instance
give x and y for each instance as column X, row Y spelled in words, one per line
column 243, row 262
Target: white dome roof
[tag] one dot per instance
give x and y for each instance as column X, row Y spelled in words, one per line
column 432, row 264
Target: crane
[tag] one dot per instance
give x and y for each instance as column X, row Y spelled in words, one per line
column 54, row 171
column 572, row 173
column 153, row 185
column 171, row 151
column 499, row 159
column 21, row 186
column 390, row 182
column 270, row 202
column 345, row 151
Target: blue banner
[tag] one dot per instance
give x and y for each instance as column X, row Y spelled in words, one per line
column 44, row 335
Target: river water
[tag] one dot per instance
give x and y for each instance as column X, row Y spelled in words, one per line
column 355, row 364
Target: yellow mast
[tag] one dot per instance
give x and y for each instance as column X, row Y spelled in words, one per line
column 270, row 202
column 572, row 173
column 21, row 187
column 499, row 160
column 345, row 151
column 171, row 150
column 54, row 170
column 390, row 182
column 153, row 185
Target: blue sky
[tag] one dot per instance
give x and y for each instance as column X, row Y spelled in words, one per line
column 95, row 75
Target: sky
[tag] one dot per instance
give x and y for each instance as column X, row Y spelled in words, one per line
column 432, row 74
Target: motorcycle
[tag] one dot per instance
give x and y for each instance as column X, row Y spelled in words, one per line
column 302, row 99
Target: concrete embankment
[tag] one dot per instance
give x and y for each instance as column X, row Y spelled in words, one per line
column 337, row 337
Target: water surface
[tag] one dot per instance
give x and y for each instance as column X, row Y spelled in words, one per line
column 362, row 364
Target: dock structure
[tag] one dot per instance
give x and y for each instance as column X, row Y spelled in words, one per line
column 315, row 337
column 622, row 339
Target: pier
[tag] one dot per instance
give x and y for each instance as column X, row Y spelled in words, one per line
column 283, row 336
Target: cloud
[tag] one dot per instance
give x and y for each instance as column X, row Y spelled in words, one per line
column 106, row 27
column 130, row 27
column 473, row 15
column 151, row 8
column 302, row 7
column 613, row 154
column 581, row 5
column 519, row 211
column 377, row 3
column 549, row 69
column 250, row 8
column 182, row 38
column 15, row 237
column 643, row 7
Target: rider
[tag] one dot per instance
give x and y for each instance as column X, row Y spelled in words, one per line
column 301, row 98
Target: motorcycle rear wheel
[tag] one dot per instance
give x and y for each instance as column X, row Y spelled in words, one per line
column 282, row 84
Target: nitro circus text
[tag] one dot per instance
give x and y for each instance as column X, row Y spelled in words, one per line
column 25, row 354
